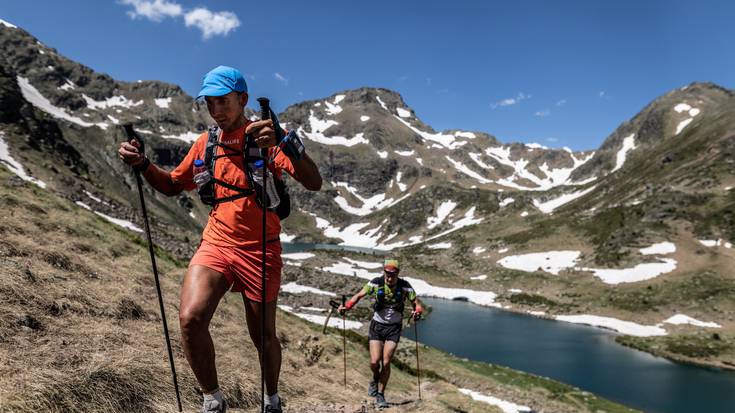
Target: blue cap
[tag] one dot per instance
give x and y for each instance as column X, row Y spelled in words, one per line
column 198, row 163
column 259, row 163
column 222, row 80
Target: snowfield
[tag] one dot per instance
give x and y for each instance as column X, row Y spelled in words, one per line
column 628, row 145
column 551, row 261
column 679, row 319
column 15, row 166
column 335, row 322
column 662, row 248
column 640, row 272
column 294, row 288
column 505, row 406
column 624, row 327
column 548, row 207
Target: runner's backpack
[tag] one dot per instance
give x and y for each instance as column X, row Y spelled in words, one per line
column 380, row 299
column 250, row 154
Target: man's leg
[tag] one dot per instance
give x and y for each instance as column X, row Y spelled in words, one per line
column 202, row 290
column 376, row 355
column 388, row 349
column 272, row 345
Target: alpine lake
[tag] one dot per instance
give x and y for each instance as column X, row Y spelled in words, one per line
column 582, row 356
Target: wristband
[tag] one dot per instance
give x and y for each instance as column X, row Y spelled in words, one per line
column 142, row 167
column 418, row 309
column 292, row 146
column 349, row 305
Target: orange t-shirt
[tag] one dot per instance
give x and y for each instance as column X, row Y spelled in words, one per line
column 235, row 223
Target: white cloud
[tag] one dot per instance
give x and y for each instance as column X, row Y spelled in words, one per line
column 208, row 22
column 543, row 113
column 601, row 94
column 561, row 102
column 212, row 23
column 155, row 10
column 552, row 139
column 511, row 101
column 279, row 77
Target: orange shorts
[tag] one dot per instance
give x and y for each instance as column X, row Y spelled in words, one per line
column 243, row 267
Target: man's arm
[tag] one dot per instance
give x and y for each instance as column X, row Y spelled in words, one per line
column 353, row 301
column 158, row 178
column 307, row 173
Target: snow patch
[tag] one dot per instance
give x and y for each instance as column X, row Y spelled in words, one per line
column 404, row 153
column 683, row 124
column 440, row 246
column 448, row 141
column 506, row 202
column 549, row 206
column 293, row 288
column 7, row 24
column 685, row 319
column 382, row 154
column 401, row 185
column 403, row 113
column 35, row 97
column 478, row 250
column 467, row 171
column 186, row 136
column 120, row 222
column 15, row 166
column 364, row 118
column 551, row 261
column 68, row 85
column 286, row 237
column 554, row 177
column 369, row 205
column 381, row 102
column 442, row 212
column 479, row 277
column 318, row 127
column 505, row 406
column 640, row 272
column 121, row 101
column 422, row 288
column 662, row 248
column 621, row 326
column 163, row 102
column 334, row 322
column 628, row 145
column 298, row 255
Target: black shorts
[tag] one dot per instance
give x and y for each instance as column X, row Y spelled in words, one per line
column 384, row 332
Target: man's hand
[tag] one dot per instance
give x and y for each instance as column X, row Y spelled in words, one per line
column 347, row 307
column 130, row 154
column 263, row 133
column 417, row 311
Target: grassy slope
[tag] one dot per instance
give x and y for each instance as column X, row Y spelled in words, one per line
column 80, row 332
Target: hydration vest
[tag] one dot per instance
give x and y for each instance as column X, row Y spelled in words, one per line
column 398, row 296
column 250, row 154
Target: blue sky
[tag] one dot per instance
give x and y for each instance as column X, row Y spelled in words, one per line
column 560, row 73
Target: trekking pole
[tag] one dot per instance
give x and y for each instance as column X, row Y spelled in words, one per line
column 418, row 368
column 344, row 339
column 264, row 114
column 134, row 136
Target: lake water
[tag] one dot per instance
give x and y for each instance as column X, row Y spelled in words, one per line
column 582, row 356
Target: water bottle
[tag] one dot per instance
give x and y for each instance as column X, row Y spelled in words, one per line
column 270, row 185
column 201, row 174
